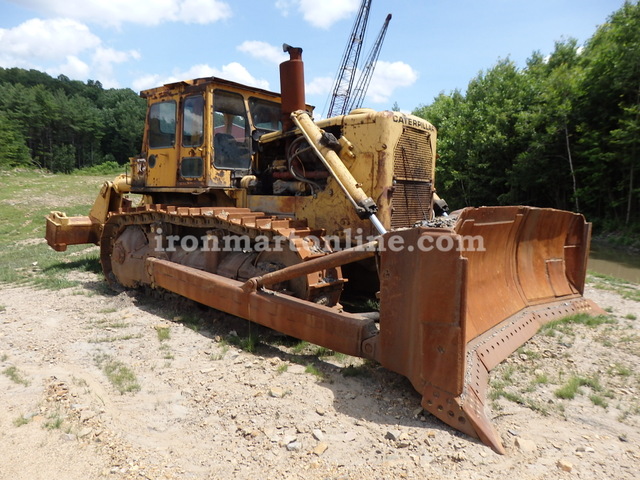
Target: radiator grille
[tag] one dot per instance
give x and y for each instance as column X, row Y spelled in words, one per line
column 411, row 203
column 413, row 165
column 413, row 159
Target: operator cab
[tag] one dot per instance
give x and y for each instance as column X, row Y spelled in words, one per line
column 200, row 135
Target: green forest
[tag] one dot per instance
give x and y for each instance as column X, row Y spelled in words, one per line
column 562, row 131
column 62, row 125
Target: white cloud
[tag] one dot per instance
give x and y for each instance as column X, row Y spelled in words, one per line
column 319, row 86
column 263, row 51
column 48, row 40
column 147, row 81
column 103, row 60
column 73, row 68
column 232, row 71
column 61, row 46
column 146, row 12
column 320, row 14
column 202, row 11
column 388, row 76
column 285, row 6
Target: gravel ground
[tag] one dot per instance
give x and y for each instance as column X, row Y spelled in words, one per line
column 127, row 386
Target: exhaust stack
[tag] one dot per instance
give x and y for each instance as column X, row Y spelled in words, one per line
column 291, row 85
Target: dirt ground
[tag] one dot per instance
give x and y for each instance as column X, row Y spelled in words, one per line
column 126, row 386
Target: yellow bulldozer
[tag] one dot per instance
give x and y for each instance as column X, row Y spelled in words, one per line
column 251, row 207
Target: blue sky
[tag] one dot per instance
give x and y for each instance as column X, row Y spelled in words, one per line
column 431, row 46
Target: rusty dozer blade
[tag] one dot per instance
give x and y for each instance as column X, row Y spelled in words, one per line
column 456, row 302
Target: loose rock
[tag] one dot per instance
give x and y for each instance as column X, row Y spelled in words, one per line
column 276, row 392
column 320, row 448
column 525, row 445
column 565, row 465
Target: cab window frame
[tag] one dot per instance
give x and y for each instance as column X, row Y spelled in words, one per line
column 160, row 134
column 193, row 123
column 266, row 115
column 231, row 131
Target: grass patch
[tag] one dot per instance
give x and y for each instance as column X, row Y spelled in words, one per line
column 116, row 338
column 300, row 347
column 531, row 355
column 191, row 321
column 625, row 289
column 541, row 379
column 282, row 368
column 629, row 338
column 21, row 420
column 508, row 373
column 313, row 370
column 26, row 197
column 619, row 370
column 15, row 375
column 373, row 305
column 598, row 400
column 564, row 325
column 323, row 352
column 54, row 421
column 166, row 351
column 108, row 310
column 106, row 323
column 248, row 343
column 224, row 348
column 106, row 168
column 498, row 391
column 341, row 357
column 120, row 376
column 164, row 333
column 572, row 387
column 117, row 325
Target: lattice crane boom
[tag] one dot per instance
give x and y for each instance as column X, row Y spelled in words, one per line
column 346, row 73
column 357, row 97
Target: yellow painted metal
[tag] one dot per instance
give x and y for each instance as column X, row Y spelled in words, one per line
column 375, row 138
column 163, row 175
column 339, row 171
column 109, row 198
column 62, row 231
column 446, row 317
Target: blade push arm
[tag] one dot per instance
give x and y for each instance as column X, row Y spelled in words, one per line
column 317, row 138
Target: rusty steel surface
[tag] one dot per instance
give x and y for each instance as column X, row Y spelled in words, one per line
column 122, row 254
column 62, row 231
column 530, row 256
column 333, row 260
column 455, row 300
column 292, row 85
column 314, row 323
column 488, row 350
column 448, row 317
